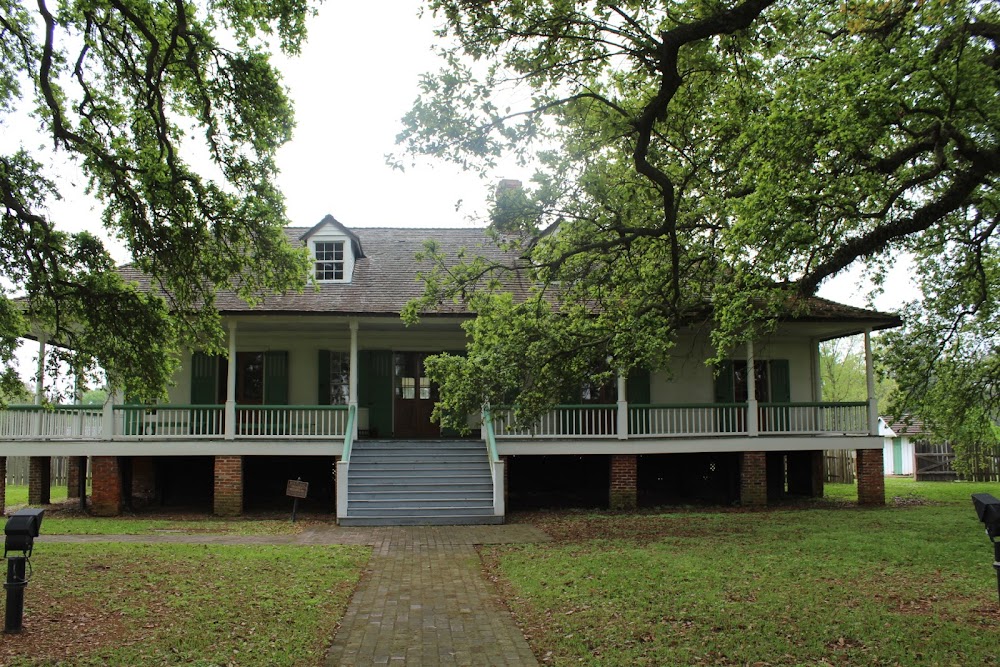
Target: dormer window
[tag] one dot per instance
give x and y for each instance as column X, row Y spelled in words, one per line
column 335, row 251
column 329, row 260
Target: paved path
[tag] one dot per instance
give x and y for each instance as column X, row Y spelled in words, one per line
column 422, row 600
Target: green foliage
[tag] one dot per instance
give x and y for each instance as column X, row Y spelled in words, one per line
column 842, row 371
column 174, row 130
column 946, row 356
column 689, row 154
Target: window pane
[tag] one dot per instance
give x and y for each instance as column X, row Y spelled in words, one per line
column 330, row 260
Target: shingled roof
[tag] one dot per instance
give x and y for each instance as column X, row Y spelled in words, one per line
column 385, row 279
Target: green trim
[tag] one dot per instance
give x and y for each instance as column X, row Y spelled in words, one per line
column 349, row 434
column 73, row 407
column 686, row 405
column 317, row 408
column 852, row 404
column 491, row 436
column 183, row 406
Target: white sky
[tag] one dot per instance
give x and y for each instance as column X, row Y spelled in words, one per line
column 351, row 86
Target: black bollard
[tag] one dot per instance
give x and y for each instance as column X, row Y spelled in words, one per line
column 15, row 585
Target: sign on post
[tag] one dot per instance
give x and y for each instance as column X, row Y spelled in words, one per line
column 297, row 488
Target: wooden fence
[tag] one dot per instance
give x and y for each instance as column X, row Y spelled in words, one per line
column 839, row 466
column 935, row 463
column 17, row 470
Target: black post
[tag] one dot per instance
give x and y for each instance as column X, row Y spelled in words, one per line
column 295, row 508
column 81, row 483
column 996, row 565
column 15, row 585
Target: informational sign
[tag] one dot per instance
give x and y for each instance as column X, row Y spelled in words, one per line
column 297, row 488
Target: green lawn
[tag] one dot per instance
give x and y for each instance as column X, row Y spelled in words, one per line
column 127, row 604
column 908, row 584
column 18, row 494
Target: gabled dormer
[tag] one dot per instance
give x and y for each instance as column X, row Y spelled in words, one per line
column 334, row 250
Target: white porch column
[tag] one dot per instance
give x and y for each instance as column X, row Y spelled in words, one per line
column 77, row 400
column 817, row 370
column 870, row 377
column 622, row 408
column 352, row 377
column 231, row 385
column 752, row 426
column 36, row 422
column 108, row 416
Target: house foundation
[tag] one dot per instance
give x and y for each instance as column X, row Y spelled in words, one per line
column 753, row 479
column 624, row 489
column 871, row 477
column 805, row 474
column 143, row 489
column 227, row 498
column 106, row 486
column 39, row 480
column 73, row 476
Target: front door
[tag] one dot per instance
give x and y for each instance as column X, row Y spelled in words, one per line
column 414, row 397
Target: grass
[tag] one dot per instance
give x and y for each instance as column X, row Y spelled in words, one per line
column 127, row 604
column 906, row 584
column 71, row 523
column 17, row 495
column 899, row 490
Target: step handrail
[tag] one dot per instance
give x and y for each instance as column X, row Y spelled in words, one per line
column 496, row 465
column 352, row 412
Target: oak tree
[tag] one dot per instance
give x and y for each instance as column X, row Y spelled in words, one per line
column 170, row 114
column 699, row 162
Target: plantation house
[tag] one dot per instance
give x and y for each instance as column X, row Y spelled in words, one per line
column 327, row 386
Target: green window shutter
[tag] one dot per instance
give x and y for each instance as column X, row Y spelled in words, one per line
column 781, row 388
column 637, row 386
column 375, row 390
column 323, row 386
column 724, row 392
column 276, row 378
column 203, row 378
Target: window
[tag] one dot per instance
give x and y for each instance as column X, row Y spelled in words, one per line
column 329, row 260
column 340, row 378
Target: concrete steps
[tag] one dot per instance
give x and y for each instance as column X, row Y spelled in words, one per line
column 419, row 482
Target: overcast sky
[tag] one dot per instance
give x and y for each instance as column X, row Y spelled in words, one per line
column 355, row 78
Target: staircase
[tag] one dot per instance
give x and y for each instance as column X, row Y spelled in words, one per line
column 419, row 482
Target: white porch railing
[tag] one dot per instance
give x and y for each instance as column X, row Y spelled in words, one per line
column 566, row 421
column 689, row 420
column 285, row 421
column 166, row 422
column 19, row 422
column 170, row 422
column 807, row 418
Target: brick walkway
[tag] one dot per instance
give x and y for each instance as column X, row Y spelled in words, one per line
column 422, row 600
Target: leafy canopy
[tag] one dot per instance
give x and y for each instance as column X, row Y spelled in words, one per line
column 171, row 114
column 690, row 152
